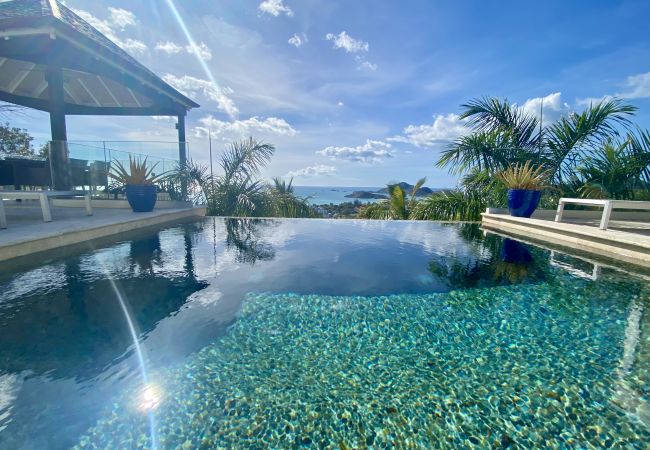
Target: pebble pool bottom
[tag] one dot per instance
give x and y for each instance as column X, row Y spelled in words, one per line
column 552, row 364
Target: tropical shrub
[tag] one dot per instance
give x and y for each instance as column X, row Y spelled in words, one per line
column 578, row 155
column 237, row 191
column 593, row 153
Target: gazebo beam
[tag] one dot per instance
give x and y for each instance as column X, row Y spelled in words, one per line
column 59, row 160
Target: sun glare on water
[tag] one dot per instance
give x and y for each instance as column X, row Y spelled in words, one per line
column 149, row 398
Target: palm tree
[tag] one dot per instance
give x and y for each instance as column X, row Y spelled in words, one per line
column 237, row 192
column 614, row 171
column 503, row 134
column 396, row 207
column 282, row 202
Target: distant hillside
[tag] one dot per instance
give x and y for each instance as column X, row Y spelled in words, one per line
column 408, row 188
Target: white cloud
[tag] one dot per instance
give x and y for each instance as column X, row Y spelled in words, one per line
column 201, row 50
column 367, row 66
column 553, row 106
column 121, row 18
column 297, row 41
column 637, row 86
column 312, row 171
column 133, row 46
column 254, row 126
column 346, row 42
column 172, row 48
column 593, row 100
column 370, row 152
column 444, row 129
column 340, row 104
column 118, row 20
column 190, row 85
column 169, row 47
column 275, row 8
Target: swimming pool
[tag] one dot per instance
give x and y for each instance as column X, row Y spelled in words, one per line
column 229, row 333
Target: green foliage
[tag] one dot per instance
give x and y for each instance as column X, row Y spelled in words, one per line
column 580, row 154
column 453, row 205
column 614, row 171
column 237, row 192
column 15, row 140
column 282, row 202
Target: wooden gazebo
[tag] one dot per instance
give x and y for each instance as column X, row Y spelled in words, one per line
column 52, row 60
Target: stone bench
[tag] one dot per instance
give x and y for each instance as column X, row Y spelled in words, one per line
column 44, row 197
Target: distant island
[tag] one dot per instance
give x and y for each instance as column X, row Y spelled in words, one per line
column 365, row 194
column 383, row 193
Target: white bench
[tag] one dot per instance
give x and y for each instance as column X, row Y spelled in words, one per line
column 44, row 197
column 607, row 205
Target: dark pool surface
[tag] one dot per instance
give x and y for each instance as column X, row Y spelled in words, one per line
column 323, row 334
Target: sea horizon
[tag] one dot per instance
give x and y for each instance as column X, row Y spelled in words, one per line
column 324, row 195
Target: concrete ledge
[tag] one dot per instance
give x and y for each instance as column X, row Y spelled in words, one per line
column 57, row 234
column 118, row 204
column 619, row 245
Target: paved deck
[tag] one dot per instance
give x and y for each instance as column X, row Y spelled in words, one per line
column 625, row 240
column 27, row 233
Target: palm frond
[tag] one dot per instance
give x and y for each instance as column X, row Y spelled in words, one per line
column 450, row 205
column 490, row 114
column 572, row 138
column 245, row 158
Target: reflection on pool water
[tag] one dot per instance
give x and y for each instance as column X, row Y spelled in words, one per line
column 323, row 334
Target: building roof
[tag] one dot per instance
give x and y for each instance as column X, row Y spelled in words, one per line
column 99, row 76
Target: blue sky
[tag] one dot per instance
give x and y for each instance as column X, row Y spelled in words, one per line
column 360, row 93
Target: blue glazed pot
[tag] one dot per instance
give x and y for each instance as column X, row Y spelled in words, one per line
column 141, row 197
column 515, row 252
column 523, row 202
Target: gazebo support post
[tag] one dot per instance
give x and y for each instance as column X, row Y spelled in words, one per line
column 182, row 150
column 59, row 156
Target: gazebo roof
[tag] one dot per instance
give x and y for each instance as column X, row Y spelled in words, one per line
column 99, row 77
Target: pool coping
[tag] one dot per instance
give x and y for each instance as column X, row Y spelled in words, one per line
column 46, row 240
column 617, row 245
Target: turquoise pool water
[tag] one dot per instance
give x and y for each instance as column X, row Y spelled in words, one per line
column 323, row 334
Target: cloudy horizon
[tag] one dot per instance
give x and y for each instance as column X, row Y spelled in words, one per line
column 366, row 93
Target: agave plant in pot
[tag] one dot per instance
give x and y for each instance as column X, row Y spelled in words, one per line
column 138, row 182
column 524, row 183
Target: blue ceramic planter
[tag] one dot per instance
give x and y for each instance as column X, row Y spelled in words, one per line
column 523, row 202
column 141, row 197
column 515, row 252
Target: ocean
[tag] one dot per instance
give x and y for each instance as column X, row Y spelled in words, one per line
column 320, row 195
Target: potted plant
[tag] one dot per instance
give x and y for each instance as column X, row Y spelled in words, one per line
column 525, row 183
column 138, row 182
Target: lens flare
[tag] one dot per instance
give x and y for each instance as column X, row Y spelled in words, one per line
column 191, row 42
column 150, row 397
column 138, row 350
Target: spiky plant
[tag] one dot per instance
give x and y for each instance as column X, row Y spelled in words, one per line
column 138, row 172
column 524, row 176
